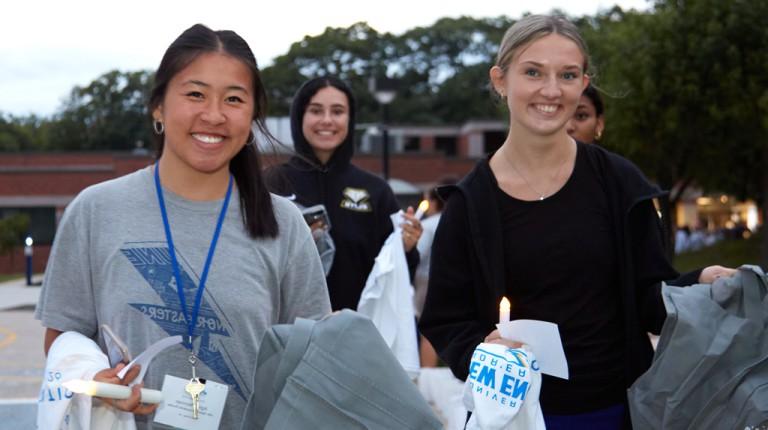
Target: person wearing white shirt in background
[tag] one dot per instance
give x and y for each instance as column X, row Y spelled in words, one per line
column 429, row 224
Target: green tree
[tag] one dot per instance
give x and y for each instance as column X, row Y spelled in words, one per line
column 690, row 92
column 28, row 133
column 12, row 231
column 442, row 68
column 109, row 113
column 351, row 53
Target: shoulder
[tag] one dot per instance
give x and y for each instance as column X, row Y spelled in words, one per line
column 366, row 179
column 601, row 157
column 113, row 192
column 616, row 168
column 286, row 212
column 478, row 183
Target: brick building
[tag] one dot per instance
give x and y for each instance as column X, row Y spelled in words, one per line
column 42, row 185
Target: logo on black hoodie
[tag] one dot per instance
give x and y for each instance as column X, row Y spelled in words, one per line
column 356, row 199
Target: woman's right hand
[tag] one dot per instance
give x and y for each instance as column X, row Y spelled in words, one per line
column 495, row 337
column 132, row 404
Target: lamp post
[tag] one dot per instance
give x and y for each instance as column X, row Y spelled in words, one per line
column 28, row 254
column 384, row 91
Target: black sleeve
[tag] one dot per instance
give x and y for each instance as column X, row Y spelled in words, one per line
column 686, row 279
column 451, row 317
column 650, row 265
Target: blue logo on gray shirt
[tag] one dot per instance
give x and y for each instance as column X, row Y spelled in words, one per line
column 154, row 264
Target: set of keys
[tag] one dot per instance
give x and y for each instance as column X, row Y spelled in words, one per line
column 194, row 388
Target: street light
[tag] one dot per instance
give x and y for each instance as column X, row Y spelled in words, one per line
column 384, row 91
column 28, row 254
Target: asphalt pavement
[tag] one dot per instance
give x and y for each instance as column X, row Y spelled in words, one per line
column 21, row 355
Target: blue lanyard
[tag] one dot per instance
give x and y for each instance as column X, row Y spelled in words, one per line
column 175, row 263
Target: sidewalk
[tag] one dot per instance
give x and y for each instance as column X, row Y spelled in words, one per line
column 21, row 357
column 16, row 294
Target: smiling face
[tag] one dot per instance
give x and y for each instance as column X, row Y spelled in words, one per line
column 542, row 84
column 585, row 126
column 207, row 111
column 325, row 124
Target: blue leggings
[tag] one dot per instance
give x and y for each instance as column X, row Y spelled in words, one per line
column 612, row 418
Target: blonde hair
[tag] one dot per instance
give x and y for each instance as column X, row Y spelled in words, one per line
column 534, row 27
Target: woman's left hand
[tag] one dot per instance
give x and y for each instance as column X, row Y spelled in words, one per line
column 411, row 230
column 710, row 273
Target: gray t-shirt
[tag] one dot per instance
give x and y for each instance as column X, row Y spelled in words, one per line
column 110, row 265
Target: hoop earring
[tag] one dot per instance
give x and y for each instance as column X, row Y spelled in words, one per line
column 158, row 126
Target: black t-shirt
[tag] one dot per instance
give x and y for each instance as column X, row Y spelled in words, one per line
column 561, row 266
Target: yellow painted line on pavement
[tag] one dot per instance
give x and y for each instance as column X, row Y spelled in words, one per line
column 9, row 338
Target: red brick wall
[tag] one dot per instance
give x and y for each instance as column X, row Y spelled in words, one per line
column 417, row 168
column 17, row 262
column 43, row 175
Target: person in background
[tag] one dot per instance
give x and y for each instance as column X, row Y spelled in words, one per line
column 359, row 204
column 194, row 237
column 566, row 230
column 588, row 121
column 587, row 126
column 426, row 351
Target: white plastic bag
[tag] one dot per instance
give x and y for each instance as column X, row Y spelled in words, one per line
column 387, row 300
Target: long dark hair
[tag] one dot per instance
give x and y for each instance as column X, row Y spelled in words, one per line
column 593, row 95
column 255, row 201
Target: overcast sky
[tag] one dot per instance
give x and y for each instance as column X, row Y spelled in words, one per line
column 48, row 47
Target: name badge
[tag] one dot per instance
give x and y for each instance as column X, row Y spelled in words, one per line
column 176, row 409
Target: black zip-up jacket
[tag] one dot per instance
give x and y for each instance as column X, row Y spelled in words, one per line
column 359, row 205
column 467, row 275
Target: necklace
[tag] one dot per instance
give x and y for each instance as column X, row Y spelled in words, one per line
column 541, row 195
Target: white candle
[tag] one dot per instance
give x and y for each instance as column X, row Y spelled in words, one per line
column 111, row 391
column 423, row 206
column 504, row 308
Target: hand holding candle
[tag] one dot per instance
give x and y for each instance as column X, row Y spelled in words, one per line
column 423, row 207
column 504, row 308
column 111, row 391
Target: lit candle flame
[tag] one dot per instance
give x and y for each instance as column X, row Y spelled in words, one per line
column 423, row 206
column 504, row 308
column 80, row 387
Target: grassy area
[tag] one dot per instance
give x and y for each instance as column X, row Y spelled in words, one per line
column 10, row 277
column 729, row 253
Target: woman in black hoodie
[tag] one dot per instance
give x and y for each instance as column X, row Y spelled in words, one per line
column 358, row 203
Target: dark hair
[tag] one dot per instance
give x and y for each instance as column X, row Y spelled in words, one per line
column 442, row 182
column 245, row 166
column 312, row 86
column 594, row 96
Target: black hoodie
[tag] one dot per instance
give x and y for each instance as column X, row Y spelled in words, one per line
column 359, row 203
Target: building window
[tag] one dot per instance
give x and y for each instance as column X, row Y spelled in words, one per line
column 42, row 222
column 412, row 144
column 446, row 145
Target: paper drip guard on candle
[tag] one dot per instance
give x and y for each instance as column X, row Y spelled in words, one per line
column 111, row 391
column 423, row 207
column 543, row 338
